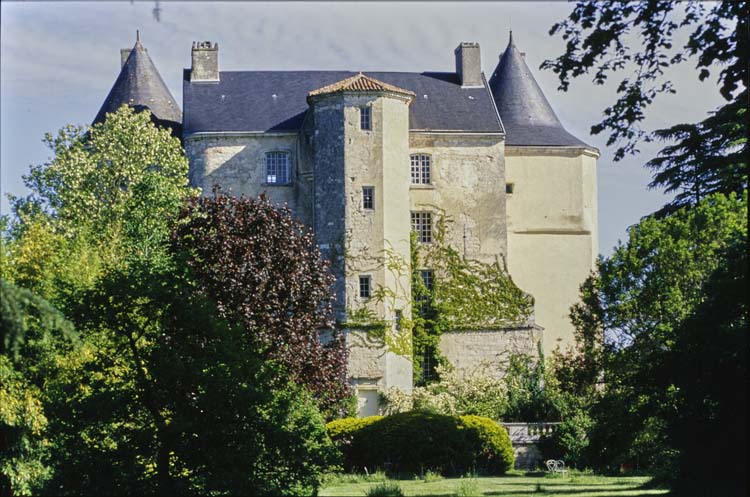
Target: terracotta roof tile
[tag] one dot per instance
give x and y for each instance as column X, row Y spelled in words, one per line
column 358, row 83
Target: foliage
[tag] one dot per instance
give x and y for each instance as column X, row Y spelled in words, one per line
column 466, row 295
column 265, row 272
column 492, row 449
column 629, row 332
column 342, row 432
column 385, row 489
column 454, row 394
column 596, row 41
column 708, row 157
column 164, row 394
column 531, row 390
column 710, row 352
column 33, row 336
column 22, row 440
column 417, row 441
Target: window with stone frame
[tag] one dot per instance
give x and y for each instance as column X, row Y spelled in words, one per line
column 278, row 168
column 368, row 197
column 421, row 224
column 365, row 286
column 365, row 117
column 420, row 169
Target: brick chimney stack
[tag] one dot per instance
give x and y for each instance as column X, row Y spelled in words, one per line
column 469, row 64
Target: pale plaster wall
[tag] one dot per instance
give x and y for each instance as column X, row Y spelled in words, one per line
column 552, row 230
column 237, row 164
column 468, row 184
column 488, row 349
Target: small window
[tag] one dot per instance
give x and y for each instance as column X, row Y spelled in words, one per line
column 421, row 224
column 364, row 287
column 368, row 197
column 365, row 118
column 509, row 187
column 428, row 277
column 277, row 168
column 420, row 169
column 399, row 317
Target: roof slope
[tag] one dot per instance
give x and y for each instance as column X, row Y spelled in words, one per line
column 140, row 85
column 526, row 114
column 255, row 101
column 359, row 83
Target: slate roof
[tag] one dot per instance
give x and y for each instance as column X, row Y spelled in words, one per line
column 526, row 114
column 277, row 101
column 140, row 85
column 359, row 83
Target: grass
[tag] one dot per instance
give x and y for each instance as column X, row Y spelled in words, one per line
column 514, row 485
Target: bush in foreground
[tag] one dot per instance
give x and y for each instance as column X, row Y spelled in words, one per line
column 419, row 441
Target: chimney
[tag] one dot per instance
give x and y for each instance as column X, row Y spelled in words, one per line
column 469, row 64
column 205, row 61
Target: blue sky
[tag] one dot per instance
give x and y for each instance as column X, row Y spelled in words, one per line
column 59, row 60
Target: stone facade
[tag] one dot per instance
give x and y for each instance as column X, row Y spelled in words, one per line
column 532, row 208
column 468, row 349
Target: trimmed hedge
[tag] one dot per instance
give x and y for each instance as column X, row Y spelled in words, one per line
column 491, row 444
column 417, row 441
column 342, row 432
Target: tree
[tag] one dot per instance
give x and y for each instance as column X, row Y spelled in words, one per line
column 629, row 329
column 711, row 353
column 164, row 395
column 596, row 41
column 709, row 156
column 264, row 271
column 33, row 335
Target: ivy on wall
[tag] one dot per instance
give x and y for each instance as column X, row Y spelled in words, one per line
column 465, row 294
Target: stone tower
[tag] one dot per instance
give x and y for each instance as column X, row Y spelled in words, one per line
column 140, row 86
column 361, row 144
column 551, row 201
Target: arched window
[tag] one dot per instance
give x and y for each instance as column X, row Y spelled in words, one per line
column 420, row 169
column 278, row 168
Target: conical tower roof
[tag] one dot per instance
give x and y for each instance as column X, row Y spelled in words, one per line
column 526, row 114
column 140, row 85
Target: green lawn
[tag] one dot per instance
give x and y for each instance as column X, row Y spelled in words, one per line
column 517, row 485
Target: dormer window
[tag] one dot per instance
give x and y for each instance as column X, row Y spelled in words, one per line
column 278, row 168
column 420, row 169
column 365, row 118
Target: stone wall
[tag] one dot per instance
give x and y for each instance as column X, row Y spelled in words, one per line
column 469, row 350
column 468, row 184
column 237, row 164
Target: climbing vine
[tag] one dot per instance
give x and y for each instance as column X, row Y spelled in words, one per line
column 465, row 294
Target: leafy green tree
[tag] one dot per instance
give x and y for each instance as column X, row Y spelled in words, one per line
column 164, row 396
column 596, row 33
column 629, row 324
column 33, row 335
column 711, row 354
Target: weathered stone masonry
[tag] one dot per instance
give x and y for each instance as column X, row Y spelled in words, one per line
column 517, row 186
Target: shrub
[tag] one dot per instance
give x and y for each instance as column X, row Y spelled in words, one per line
column 342, row 431
column 411, row 442
column 456, row 393
column 420, row 441
column 385, row 489
column 489, row 443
